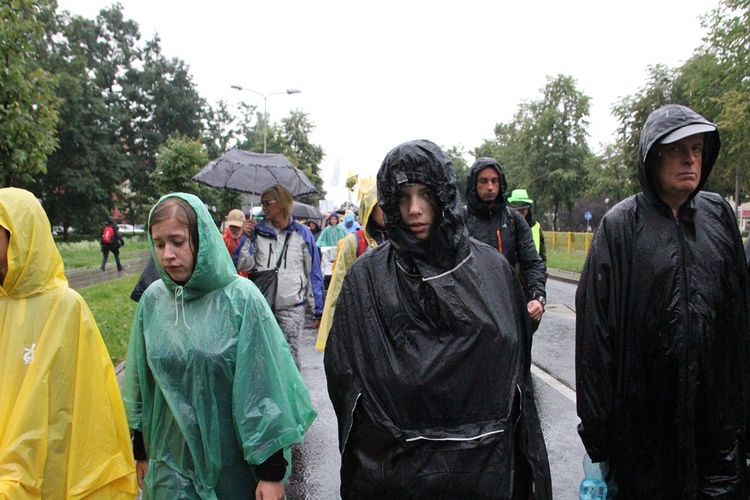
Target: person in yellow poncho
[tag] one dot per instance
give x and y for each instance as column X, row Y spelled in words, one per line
column 63, row 430
column 349, row 249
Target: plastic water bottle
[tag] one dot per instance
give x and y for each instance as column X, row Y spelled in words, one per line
column 593, row 486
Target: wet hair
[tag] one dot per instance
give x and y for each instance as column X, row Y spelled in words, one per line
column 282, row 196
column 181, row 211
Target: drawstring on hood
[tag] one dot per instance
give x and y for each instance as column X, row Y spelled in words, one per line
column 178, row 295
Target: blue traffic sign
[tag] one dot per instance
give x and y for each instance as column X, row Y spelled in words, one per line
column 587, row 216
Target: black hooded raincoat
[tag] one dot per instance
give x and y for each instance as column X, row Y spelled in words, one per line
column 428, row 358
column 486, row 220
column 662, row 338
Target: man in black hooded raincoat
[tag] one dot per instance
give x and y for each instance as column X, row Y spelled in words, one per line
column 662, row 332
column 428, row 358
column 493, row 222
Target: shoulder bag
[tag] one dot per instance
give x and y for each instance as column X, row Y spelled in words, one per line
column 267, row 280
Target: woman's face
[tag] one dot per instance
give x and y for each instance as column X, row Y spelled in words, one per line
column 173, row 249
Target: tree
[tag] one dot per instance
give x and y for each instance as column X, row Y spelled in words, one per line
column 296, row 130
column 716, row 81
column 84, row 175
column 544, row 148
column 179, row 159
column 163, row 101
column 28, row 105
column 456, row 154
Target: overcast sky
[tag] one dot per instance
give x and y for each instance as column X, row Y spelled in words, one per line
column 374, row 75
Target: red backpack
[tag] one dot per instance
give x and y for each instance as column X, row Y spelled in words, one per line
column 361, row 242
column 108, row 235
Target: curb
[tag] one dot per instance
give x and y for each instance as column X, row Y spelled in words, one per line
column 566, row 276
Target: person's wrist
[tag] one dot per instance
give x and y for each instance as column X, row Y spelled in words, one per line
column 542, row 300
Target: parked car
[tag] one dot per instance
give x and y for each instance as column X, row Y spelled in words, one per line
column 130, row 229
column 57, row 230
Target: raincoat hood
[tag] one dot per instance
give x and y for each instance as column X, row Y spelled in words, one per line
column 349, row 220
column 368, row 199
column 213, row 264
column 63, row 430
column 666, row 120
column 423, row 162
column 34, row 263
column 476, row 205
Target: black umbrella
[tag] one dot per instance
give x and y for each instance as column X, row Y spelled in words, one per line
column 251, row 173
column 304, row 211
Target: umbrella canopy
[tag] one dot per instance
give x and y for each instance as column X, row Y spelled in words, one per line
column 251, row 173
column 304, row 211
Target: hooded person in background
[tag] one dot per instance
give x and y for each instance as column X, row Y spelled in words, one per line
column 332, row 233
column 63, row 430
column 351, row 247
column 350, row 222
column 314, row 226
column 428, row 362
column 491, row 221
column 662, row 347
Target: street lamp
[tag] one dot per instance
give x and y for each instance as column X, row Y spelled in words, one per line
column 265, row 113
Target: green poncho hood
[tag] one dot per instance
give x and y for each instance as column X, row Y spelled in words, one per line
column 213, row 264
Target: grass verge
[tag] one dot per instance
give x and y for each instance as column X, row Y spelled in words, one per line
column 88, row 254
column 113, row 311
column 561, row 259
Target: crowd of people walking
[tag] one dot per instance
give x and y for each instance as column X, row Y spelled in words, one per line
column 426, row 327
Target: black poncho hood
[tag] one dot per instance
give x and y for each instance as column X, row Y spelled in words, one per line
column 423, row 162
column 666, row 120
column 474, row 204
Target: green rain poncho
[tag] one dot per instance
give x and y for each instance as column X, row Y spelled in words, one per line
column 210, row 381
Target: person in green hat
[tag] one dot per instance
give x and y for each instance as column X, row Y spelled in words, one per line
column 519, row 199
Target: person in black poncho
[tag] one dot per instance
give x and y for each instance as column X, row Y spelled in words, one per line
column 662, row 334
column 428, row 359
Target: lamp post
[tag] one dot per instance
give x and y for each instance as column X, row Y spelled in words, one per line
column 265, row 113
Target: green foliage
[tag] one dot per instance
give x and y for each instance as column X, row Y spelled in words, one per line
column 296, row 130
column 456, row 154
column 113, row 311
column 179, row 159
column 87, row 253
column 544, row 148
column 561, row 259
column 28, row 105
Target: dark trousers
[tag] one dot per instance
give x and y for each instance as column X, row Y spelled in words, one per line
column 116, row 253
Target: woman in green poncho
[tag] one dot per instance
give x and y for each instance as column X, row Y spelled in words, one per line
column 332, row 233
column 211, row 391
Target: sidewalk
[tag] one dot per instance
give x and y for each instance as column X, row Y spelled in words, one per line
column 87, row 276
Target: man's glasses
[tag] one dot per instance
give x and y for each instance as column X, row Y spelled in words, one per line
column 268, row 203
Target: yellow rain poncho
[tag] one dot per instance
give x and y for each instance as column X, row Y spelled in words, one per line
column 63, row 431
column 210, row 380
column 345, row 257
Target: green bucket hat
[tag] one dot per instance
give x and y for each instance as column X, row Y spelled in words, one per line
column 520, row 197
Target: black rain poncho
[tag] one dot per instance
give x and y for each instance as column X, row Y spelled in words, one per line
column 427, row 362
column 662, row 338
